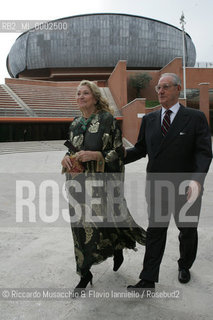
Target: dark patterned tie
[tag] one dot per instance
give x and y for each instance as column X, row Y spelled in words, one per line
column 166, row 122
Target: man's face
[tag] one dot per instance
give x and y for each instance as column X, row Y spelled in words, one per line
column 168, row 93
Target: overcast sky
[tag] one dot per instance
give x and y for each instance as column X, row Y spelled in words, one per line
column 198, row 16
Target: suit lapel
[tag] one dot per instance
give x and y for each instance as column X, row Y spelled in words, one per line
column 156, row 130
column 176, row 127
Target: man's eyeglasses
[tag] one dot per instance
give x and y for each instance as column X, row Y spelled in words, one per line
column 164, row 87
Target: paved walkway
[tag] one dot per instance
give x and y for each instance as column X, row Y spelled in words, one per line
column 37, row 259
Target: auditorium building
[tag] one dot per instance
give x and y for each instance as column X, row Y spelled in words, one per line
column 47, row 63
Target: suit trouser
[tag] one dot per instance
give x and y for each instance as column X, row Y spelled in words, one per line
column 156, row 241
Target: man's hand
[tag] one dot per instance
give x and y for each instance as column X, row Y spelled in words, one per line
column 193, row 191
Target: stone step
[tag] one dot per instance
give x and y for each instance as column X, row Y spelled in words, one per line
column 31, row 146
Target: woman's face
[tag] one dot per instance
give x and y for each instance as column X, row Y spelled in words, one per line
column 85, row 98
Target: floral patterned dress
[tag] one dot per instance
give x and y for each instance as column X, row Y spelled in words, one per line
column 103, row 223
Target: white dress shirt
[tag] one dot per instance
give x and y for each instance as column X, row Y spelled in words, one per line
column 174, row 110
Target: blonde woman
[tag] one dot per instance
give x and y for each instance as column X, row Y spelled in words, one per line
column 97, row 140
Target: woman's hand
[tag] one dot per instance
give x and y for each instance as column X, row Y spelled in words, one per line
column 66, row 162
column 85, row 156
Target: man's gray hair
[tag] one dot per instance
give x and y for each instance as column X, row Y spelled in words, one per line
column 176, row 79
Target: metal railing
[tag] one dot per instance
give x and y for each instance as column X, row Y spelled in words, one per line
column 203, row 65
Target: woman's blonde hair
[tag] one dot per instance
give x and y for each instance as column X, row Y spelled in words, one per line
column 101, row 102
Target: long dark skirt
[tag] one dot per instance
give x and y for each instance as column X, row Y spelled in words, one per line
column 100, row 225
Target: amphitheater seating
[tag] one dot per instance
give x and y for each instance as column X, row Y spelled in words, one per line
column 9, row 107
column 48, row 101
column 42, row 100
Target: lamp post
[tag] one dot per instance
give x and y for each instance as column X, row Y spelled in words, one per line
column 182, row 22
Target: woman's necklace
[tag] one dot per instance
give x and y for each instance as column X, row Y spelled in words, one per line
column 85, row 122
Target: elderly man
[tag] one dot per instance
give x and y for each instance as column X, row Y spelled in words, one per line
column 178, row 144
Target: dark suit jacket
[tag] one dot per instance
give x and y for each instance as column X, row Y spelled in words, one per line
column 186, row 148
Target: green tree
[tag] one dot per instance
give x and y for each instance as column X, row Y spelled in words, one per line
column 139, row 81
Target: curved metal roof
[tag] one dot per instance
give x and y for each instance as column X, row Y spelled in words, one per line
column 99, row 40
